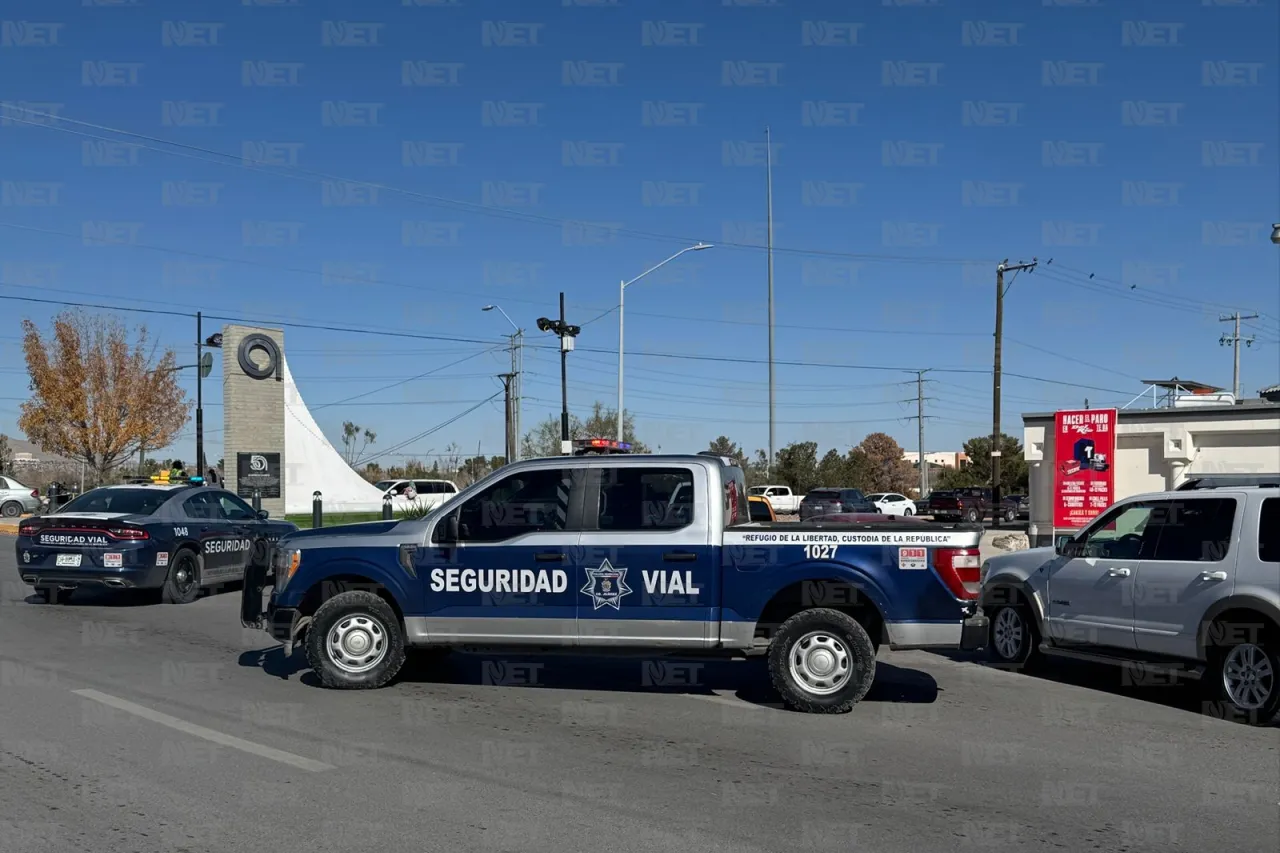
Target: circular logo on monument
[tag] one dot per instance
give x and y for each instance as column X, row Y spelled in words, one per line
column 258, row 342
column 257, row 463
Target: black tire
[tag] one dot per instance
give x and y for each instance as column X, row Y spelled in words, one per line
column 12, row 509
column 1235, row 645
column 182, row 584
column 908, row 511
column 1010, row 516
column 971, row 516
column 362, row 612
column 53, row 595
column 1012, row 619
column 844, row 638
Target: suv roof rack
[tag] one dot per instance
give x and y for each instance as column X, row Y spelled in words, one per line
column 1231, row 481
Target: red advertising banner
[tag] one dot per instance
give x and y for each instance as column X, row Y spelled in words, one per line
column 1084, row 449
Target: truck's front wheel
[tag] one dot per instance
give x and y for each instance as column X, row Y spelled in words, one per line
column 822, row 661
column 354, row 642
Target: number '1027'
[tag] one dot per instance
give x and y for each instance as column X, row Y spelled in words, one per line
column 820, row 552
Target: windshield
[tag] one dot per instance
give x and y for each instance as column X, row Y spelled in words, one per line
column 383, row 485
column 142, row 501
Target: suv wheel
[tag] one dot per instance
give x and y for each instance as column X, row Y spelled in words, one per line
column 822, row 661
column 1010, row 515
column 1243, row 678
column 1014, row 642
column 354, row 642
column 971, row 516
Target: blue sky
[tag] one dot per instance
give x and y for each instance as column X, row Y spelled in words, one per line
column 520, row 149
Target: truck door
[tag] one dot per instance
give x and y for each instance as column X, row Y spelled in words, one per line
column 648, row 575
column 511, row 577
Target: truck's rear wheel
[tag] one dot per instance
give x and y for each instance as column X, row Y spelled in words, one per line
column 822, row 661
column 971, row 516
column 354, row 642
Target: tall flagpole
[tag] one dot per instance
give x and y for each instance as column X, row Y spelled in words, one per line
column 768, row 146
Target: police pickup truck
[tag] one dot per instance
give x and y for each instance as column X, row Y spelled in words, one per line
column 619, row 554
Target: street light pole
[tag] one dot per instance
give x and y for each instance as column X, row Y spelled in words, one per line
column 566, row 333
column 200, row 469
column 622, row 295
column 517, row 366
column 997, row 367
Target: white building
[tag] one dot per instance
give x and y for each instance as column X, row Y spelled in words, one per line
column 1159, row 449
column 937, row 458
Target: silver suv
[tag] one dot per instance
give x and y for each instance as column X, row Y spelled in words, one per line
column 16, row 499
column 1169, row 585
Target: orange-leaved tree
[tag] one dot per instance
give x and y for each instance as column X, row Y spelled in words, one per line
column 99, row 393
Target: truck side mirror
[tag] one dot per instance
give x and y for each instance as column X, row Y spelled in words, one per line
column 448, row 531
column 1065, row 547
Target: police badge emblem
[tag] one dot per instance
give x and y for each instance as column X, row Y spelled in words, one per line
column 606, row 586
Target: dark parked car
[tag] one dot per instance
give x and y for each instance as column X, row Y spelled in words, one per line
column 1021, row 505
column 825, row 501
column 970, row 504
column 177, row 538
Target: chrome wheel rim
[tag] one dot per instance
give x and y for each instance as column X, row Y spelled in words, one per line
column 1007, row 633
column 357, row 643
column 820, row 663
column 1248, row 677
column 184, row 577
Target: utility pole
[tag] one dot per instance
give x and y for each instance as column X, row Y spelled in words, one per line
column 517, row 366
column 995, row 383
column 924, row 463
column 768, row 170
column 508, row 379
column 1234, row 339
column 919, row 400
column 566, row 333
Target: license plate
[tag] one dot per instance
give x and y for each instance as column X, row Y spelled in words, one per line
column 112, row 561
column 72, row 560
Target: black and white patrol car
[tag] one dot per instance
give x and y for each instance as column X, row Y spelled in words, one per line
column 176, row 538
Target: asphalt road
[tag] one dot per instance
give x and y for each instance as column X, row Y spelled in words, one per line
column 146, row 727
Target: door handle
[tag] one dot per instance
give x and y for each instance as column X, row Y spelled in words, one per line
column 1213, row 576
column 679, row 557
column 1117, row 573
column 549, row 558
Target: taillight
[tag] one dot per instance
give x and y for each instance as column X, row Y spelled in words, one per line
column 26, row 530
column 129, row 533
column 960, row 569
column 35, row 493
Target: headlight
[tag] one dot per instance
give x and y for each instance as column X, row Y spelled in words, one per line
column 284, row 564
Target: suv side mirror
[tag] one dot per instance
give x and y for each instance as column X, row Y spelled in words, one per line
column 262, row 515
column 1065, row 547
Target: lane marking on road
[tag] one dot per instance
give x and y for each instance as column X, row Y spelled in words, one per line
column 207, row 734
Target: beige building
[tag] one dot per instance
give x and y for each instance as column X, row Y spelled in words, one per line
column 1159, row 449
column 938, row 458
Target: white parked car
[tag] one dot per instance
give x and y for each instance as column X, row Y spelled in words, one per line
column 784, row 501
column 892, row 503
column 1168, row 585
column 16, row 499
column 406, row 494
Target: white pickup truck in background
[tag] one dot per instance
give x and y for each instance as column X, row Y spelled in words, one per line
column 784, row 501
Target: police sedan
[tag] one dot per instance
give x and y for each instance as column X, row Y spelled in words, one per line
column 177, row 538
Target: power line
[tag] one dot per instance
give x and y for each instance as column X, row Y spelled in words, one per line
column 297, row 173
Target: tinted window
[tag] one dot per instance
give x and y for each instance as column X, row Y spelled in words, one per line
column 132, row 501
column 737, row 509
column 634, row 498
column 823, row 495
column 1122, row 534
column 1194, row 531
column 528, row 502
column 234, row 508
column 383, row 485
column 1269, row 531
column 851, row 495
column 203, row 505
column 760, row 512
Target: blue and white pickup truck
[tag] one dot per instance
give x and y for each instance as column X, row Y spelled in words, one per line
column 622, row 553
